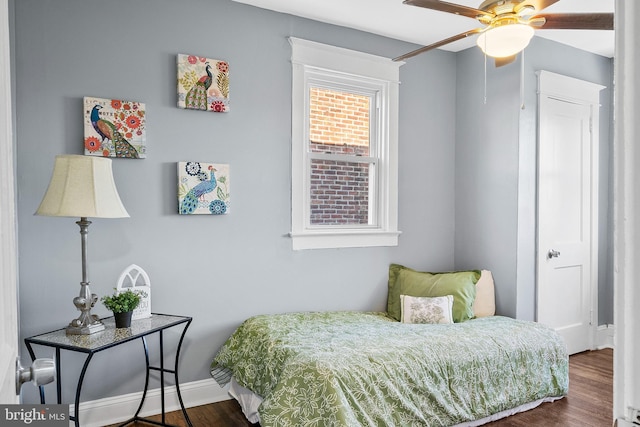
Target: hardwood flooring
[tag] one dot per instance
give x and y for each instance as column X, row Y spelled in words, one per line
column 590, row 399
column 589, row 403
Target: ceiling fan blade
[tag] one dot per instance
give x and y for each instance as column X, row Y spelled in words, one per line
column 504, row 61
column 537, row 4
column 443, row 6
column 577, row 21
column 440, row 43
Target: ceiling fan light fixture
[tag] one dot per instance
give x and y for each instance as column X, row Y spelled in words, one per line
column 505, row 40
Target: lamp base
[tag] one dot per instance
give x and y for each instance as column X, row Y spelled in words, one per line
column 84, row 330
column 87, row 323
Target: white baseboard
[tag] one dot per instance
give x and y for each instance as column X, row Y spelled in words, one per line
column 111, row 410
column 604, row 336
column 620, row 422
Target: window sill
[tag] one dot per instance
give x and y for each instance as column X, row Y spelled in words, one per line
column 319, row 239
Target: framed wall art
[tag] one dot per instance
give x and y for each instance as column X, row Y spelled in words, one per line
column 203, row 84
column 114, row 128
column 203, row 188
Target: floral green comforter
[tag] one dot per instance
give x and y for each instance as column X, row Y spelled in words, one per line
column 366, row 369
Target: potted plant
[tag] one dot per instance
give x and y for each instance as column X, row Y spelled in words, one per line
column 122, row 304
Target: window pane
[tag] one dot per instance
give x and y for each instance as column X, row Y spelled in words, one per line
column 339, row 193
column 338, row 122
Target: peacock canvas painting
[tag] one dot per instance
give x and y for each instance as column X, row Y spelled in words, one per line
column 203, row 84
column 114, row 128
column 203, row 188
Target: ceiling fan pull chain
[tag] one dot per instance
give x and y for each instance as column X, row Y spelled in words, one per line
column 485, row 75
column 522, row 80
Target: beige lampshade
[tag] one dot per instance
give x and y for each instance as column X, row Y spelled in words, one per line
column 82, row 186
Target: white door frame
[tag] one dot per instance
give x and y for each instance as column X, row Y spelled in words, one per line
column 626, row 371
column 8, row 247
column 585, row 93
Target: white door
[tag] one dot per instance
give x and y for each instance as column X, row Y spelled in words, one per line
column 8, row 263
column 567, row 208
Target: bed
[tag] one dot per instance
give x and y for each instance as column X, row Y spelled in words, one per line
column 371, row 368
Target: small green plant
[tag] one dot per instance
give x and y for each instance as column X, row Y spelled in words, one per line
column 124, row 301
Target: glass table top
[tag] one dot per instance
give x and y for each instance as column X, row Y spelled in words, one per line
column 110, row 335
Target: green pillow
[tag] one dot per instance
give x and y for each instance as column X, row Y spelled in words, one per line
column 460, row 284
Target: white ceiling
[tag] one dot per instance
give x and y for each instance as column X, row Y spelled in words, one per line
column 422, row 26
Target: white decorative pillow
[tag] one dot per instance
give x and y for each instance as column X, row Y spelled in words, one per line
column 426, row 309
column 485, row 303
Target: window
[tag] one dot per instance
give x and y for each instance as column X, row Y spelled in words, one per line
column 344, row 148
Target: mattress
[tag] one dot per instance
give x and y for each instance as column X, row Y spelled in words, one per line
column 360, row 369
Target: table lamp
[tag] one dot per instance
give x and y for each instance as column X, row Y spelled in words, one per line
column 83, row 186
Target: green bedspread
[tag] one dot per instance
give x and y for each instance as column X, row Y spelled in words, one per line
column 366, row 369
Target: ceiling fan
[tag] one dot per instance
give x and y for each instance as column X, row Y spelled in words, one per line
column 508, row 25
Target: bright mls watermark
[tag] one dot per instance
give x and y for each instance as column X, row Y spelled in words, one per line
column 34, row 415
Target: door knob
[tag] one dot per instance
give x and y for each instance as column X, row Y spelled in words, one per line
column 553, row 254
column 40, row 373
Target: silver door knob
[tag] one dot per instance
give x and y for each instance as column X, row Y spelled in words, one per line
column 41, row 372
column 553, row 254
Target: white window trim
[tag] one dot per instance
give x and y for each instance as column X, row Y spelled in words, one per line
column 307, row 55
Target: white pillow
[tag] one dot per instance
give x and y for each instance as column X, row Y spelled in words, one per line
column 485, row 303
column 426, row 309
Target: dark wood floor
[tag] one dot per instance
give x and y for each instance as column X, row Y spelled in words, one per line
column 589, row 403
column 590, row 399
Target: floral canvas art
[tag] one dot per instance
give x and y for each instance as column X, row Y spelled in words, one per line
column 114, row 128
column 203, row 188
column 203, row 84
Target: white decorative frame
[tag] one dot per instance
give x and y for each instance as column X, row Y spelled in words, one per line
column 136, row 279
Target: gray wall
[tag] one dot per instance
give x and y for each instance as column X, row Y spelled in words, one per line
column 496, row 170
column 220, row 270
column 487, row 172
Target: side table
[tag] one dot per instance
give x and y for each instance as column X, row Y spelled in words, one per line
column 109, row 338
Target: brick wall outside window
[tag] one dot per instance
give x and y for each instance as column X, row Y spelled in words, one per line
column 339, row 124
